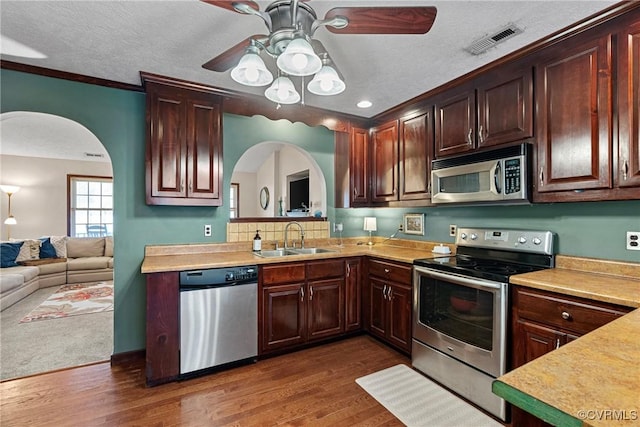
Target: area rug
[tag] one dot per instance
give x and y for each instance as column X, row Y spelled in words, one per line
column 73, row 300
column 417, row 401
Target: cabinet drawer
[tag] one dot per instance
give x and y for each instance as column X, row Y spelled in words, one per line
column 283, row 273
column 394, row 272
column 325, row 269
column 573, row 314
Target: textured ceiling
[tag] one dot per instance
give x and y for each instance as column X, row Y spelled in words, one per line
column 115, row 40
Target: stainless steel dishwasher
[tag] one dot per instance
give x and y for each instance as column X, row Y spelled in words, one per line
column 218, row 318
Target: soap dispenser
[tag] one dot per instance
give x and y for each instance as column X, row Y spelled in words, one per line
column 257, row 242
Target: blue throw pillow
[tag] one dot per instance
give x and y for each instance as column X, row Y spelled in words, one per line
column 46, row 248
column 8, row 254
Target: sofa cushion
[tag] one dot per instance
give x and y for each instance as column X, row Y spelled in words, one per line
column 8, row 253
column 29, row 250
column 108, row 246
column 110, row 263
column 54, row 267
column 59, row 243
column 78, row 247
column 10, row 281
column 46, row 248
column 87, row 263
column 28, row 273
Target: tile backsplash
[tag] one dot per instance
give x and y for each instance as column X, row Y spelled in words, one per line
column 271, row 232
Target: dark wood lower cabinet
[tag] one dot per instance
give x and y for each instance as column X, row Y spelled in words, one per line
column 544, row 321
column 353, row 294
column 325, row 305
column 283, row 321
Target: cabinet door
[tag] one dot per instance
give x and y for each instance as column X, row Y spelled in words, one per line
column 416, row 153
column 353, row 295
column 533, row 341
column 283, row 311
column 455, row 124
column 359, row 166
column 325, row 304
column 204, row 142
column 628, row 168
column 399, row 317
column 384, row 175
column 166, row 146
column 505, row 109
column 573, row 98
column 377, row 307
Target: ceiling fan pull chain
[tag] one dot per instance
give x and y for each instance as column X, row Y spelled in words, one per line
column 302, row 89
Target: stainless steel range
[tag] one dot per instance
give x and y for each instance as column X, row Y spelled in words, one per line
column 461, row 309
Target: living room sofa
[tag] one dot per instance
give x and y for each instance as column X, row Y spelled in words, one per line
column 78, row 260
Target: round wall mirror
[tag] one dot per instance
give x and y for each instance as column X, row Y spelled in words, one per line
column 264, row 198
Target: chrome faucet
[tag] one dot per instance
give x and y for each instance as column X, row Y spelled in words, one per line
column 286, row 231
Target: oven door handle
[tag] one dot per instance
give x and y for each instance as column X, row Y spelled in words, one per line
column 460, row 280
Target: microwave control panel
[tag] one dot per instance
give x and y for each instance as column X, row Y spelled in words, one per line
column 512, row 176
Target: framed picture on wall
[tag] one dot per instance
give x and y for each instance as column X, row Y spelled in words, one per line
column 414, row 224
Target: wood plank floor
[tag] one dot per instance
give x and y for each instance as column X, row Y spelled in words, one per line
column 315, row 386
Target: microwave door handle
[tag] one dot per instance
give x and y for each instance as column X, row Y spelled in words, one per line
column 497, row 177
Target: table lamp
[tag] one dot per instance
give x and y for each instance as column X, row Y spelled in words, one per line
column 370, row 225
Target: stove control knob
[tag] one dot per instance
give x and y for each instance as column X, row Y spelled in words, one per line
column 536, row 241
column 463, row 236
column 474, row 236
column 522, row 240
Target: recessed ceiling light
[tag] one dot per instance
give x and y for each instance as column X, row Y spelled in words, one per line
column 364, row 104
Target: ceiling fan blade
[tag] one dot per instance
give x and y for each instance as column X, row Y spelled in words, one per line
column 384, row 20
column 319, row 49
column 229, row 4
column 230, row 57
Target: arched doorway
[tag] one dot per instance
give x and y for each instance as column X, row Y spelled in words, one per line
column 39, row 153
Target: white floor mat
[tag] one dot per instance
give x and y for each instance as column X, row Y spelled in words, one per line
column 417, row 401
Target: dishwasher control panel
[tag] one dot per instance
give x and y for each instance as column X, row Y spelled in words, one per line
column 219, row 276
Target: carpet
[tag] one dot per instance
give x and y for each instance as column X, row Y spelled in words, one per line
column 417, row 401
column 73, row 300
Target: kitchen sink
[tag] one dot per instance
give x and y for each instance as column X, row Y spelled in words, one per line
column 287, row 252
column 310, row 251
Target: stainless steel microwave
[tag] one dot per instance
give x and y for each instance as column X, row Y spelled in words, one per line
column 498, row 176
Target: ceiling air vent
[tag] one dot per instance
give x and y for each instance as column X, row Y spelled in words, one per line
column 487, row 42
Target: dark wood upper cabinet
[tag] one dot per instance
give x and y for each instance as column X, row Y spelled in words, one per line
column 573, row 96
column 455, row 122
column 184, row 147
column 628, row 166
column 359, row 166
column 384, row 162
column 505, row 108
column 415, row 155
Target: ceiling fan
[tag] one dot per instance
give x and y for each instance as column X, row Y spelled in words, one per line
column 291, row 25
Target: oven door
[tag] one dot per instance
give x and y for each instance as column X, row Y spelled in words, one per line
column 463, row 317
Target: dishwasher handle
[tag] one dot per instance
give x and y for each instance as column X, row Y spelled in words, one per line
column 199, row 287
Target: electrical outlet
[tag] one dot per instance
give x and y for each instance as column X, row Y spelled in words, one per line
column 633, row 240
column 337, row 227
column 207, row 230
column 401, row 228
column 452, row 230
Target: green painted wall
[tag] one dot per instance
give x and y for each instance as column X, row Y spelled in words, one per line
column 116, row 117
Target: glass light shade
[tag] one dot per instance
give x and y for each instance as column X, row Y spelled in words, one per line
column 10, row 189
column 11, row 220
column 299, row 59
column 370, row 223
column 251, row 71
column 282, row 91
column 326, row 82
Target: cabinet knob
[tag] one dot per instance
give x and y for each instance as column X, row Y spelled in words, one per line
column 565, row 315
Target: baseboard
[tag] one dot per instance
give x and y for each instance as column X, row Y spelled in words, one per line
column 128, row 357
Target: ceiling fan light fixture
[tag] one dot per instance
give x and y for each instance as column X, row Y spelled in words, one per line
column 299, row 59
column 326, row 82
column 251, row 70
column 282, row 91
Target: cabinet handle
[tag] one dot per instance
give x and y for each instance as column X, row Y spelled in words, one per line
column 348, row 270
column 182, row 186
column 541, row 176
column 301, row 294
column 480, row 135
column 469, row 136
column 625, row 169
column 355, row 192
column 390, row 294
column 190, row 186
column 384, row 292
column 557, row 343
column 565, row 315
